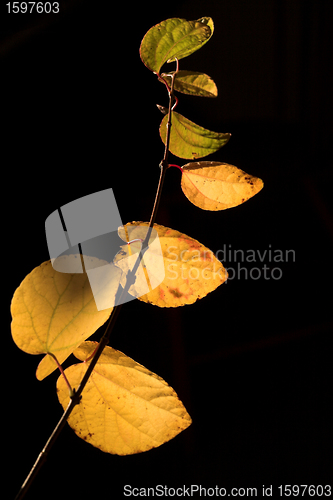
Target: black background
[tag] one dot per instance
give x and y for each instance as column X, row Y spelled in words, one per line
column 251, row 361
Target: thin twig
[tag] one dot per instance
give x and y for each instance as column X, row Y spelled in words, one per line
column 164, row 163
column 171, row 107
column 76, row 393
column 43, row 454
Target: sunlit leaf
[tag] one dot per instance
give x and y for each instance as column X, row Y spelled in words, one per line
column 193, row 83
column 54, row 312
column 212, row 185
column 174, row 38
column 191, row 269
column 125, row 408
column 190, row 141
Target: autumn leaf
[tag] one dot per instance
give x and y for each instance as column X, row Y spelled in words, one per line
column 191, row 269
column 212, row 185
column 125, row 408
column 193, row 83
column 190, row 141
column 174, row 38
column 53, row 312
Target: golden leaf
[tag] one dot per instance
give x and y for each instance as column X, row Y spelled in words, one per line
column 191, row 269
column 212, row 185
column 54, row 312
column 125, row 408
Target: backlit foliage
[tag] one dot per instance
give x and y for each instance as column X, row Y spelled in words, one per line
column 125, row 408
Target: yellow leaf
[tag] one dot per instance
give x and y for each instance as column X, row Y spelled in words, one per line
column 125, row 408
column 54, row 312
column 212, row 185
column 191, row 270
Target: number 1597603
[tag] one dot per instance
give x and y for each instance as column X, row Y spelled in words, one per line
column 32, row 7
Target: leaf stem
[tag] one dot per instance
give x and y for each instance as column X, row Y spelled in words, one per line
column 75, row 394
column 62, row 373
column 177, row 166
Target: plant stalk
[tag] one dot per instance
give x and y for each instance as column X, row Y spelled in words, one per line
column 75, row 394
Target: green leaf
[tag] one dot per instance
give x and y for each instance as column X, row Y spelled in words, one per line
column 174, row 38
column 193, row 83
column 190, row 141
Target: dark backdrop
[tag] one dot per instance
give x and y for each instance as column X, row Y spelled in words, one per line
column 251, row 361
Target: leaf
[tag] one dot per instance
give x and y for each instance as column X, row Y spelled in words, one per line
column 174, row 38
column 193, row 83
column 54, row 312
column 125, row 408
column 212, row 185
column 191, row 270
column 190, row 141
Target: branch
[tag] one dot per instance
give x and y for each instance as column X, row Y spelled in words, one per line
column 75, row 394
column 172, row 105
column 164, row 163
